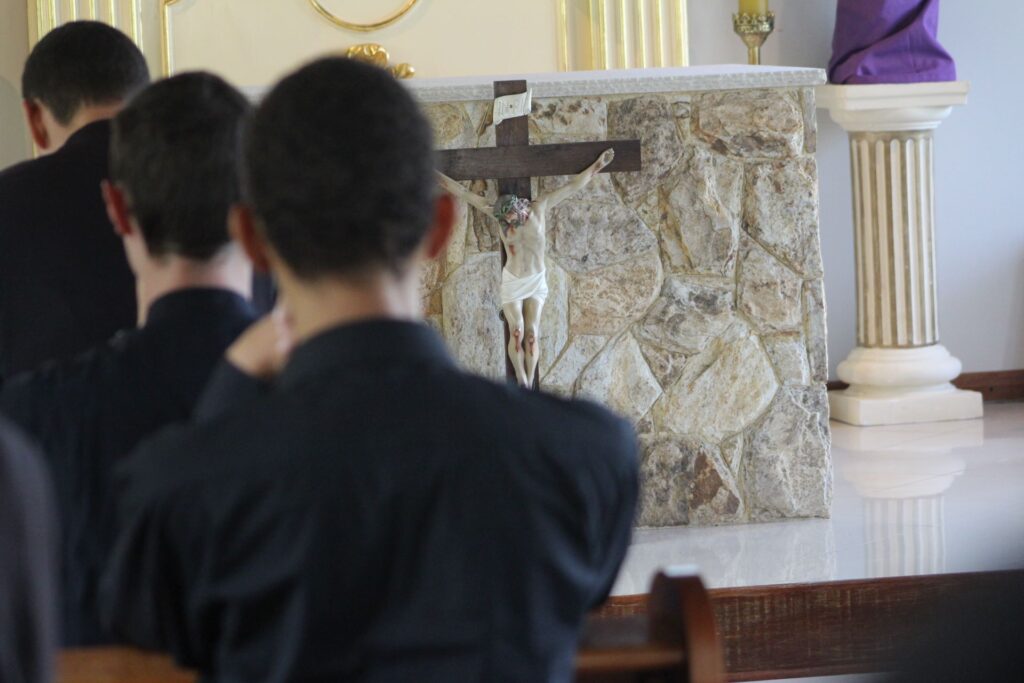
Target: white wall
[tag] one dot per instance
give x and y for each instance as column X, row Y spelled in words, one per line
column 14, row 144
column 980, row 203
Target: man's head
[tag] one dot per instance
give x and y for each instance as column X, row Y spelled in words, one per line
column 76, row 74
column 174, row 156
column 339, row 177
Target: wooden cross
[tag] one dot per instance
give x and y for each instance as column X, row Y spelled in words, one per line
column 514, row 161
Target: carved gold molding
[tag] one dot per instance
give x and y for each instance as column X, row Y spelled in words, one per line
column 46, row 15
column 166, row 52
column 375, row 54
column 362, row 27
column 621, row 34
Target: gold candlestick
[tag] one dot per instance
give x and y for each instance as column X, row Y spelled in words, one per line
column 753, row 29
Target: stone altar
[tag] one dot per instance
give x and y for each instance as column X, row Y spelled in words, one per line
column 687, row 297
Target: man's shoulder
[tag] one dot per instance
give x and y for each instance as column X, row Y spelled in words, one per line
column 21, row 175
column 89, row 371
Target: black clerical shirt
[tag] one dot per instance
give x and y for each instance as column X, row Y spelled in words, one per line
column 65, row 285
column 378, row 515
column 90, row 412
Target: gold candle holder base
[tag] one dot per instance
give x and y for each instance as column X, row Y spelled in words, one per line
column 753, row 30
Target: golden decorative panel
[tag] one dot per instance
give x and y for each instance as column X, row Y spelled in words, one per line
column 375, row 54
column 46, row 15
column 622, row 34
column 364, row 27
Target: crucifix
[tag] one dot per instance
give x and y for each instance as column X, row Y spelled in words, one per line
column 513, row 162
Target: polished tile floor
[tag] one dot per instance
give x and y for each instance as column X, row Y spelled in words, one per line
column 909, row 499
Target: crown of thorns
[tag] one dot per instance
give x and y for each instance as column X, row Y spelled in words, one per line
column 520, row 206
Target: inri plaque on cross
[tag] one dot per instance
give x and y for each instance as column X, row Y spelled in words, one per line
column 513, row 162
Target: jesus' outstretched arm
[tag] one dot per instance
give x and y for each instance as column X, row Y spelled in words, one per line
column 472, row 198
column 580, row 181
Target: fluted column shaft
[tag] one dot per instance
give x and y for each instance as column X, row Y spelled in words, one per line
column 894, row 239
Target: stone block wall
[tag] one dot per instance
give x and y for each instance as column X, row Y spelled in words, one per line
column 687, row 297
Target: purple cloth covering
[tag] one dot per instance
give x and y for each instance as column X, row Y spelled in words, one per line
column 888, row 41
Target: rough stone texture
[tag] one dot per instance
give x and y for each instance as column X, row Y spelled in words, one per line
column 607, row 300
column 585, row 236
column 769, row 293
column 650, row 119
column 746, row 123
column 472, row 327
column 732, row 453
column 683, row 481
column 721, row 391
column 816, row 330
column 688, row 296
column 582, row 118
column 786, row 469
column 666, row 365
column 789, row 357
column 687, row 315
column 620, row 379
column 554, row 319
column 452, row 126
column 697, row 215
column 781, row 212
column 567, row 369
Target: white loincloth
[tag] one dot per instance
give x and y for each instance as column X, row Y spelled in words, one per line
column 515, row 289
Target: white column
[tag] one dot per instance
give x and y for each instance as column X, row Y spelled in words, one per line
column 899, row 372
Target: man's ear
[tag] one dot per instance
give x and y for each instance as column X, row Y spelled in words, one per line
column 443, row 227
column 117, row 209
column 242, row 227
column 36, row 125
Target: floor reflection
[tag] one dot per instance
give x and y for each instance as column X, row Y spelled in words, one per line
column 903, row 483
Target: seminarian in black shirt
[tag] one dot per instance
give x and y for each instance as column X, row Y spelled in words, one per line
column 374, row 513
column 64, row 283
column 28, row 562
column 174, row 177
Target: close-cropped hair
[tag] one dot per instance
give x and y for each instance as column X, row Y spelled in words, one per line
column 82, row 63
column 339, row 170
column 175, row 151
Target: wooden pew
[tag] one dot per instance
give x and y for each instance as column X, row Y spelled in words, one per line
column 118, row 665
column 824, row 629
column 674, row 640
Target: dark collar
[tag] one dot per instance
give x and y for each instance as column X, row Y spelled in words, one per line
column 197, row 302
column 363, row 343
column 96, row 133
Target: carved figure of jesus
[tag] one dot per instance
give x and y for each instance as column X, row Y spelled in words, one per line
column 524, row 286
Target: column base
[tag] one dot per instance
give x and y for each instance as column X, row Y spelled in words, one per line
column 902, row 386
column 861, row 406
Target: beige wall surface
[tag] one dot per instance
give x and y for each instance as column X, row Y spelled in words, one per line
column 252, row 42
column 14, row 145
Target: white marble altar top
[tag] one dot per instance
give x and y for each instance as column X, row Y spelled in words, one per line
column 621, row 82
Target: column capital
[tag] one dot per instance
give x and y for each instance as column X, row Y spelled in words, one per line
column 892, row 107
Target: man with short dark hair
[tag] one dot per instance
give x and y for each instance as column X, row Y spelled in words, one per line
column 28, row 562
column 64, row 283
column 374, row 513
column 173, row 177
